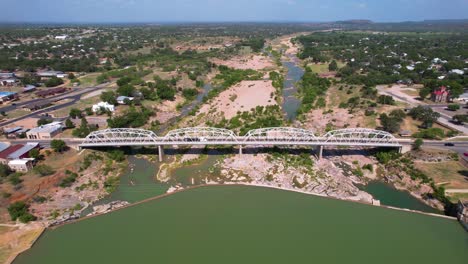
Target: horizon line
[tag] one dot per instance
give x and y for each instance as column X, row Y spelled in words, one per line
column 227, row 21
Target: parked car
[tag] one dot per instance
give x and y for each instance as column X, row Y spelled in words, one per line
column 449, row 144
column 465, row 154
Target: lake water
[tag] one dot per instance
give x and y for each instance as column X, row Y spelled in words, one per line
column 234, row 224
column 390, row 196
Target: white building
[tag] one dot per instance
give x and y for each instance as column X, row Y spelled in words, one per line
column 21, row 165
column 103, row 105
column 123, row 99
column 61, row 37
column 457, row 71
column 45, row 131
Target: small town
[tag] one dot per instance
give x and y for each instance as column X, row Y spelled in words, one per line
column 162, row 138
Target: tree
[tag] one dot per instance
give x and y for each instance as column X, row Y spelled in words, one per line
column 417, row 144
column 453, row 107
column 35, row 153
column 69, row 124
column 460, row 119
column 71, row 76
column 54, row 81
column 333, row 66
column 20, row 211
column 43, row 170
column 109, row 97
column 75, row 113
column 44, row 121
column 389, row 123
column 4, row 170
column 126, row 90
column 424, row 92
column 58, row 145
column 424, row 114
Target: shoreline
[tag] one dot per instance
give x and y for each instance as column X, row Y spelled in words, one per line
column 248, row 185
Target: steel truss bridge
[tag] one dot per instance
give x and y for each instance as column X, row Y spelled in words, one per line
column 275, row 136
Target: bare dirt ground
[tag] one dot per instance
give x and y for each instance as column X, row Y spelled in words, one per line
column 255, row 62
column 165, row 110
column 317, row 120
column 242, row 97
column 14, row 240
column 26, row 123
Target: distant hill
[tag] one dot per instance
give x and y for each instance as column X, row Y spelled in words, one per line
column 355, row 22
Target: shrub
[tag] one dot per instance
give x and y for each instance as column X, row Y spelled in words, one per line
column 43, row 170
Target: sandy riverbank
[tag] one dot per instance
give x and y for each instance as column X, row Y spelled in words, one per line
column 241, row 97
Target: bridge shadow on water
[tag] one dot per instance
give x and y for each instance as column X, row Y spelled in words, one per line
column 250, row 150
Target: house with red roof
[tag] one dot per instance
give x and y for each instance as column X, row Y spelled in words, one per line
column 441, row 95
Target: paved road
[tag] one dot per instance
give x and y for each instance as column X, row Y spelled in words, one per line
column 73, row 96
column 444, row 119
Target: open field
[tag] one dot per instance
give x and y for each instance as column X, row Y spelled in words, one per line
column 452, row 173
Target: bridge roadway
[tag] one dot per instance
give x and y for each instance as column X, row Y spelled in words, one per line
column 355, row 137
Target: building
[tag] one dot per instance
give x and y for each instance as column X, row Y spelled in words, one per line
column 103, row 105
column 462, row 213
column 51, row 91
column 21, row 165
column 441, row 95
column 123, row 99
column 457, row 71
column 29, row 88
column 8, row 79
column 61, row 37
column 20, row 151
column 8, row 96
column 45, row 131
column 50, row 74
column 37, row 105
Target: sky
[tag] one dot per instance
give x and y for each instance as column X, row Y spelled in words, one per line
column 104, row 11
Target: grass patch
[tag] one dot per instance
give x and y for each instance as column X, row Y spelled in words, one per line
column 452, row 173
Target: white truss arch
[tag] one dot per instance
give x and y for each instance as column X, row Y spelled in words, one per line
column 121, row 137
column 280, row 134
column 360, row 136
column 201, row 134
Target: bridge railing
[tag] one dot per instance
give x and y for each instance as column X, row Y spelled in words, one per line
column 200, row 135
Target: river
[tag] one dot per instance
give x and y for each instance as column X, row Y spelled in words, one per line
column 294, row 74
column 235, row 224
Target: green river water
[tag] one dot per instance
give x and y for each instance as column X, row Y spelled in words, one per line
column 234, row 224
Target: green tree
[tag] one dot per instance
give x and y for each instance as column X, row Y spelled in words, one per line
column 4, row 170
column 424, row 114
column 109, row 97
column 126, row 90
column 35, row 153
column 71, row 76
column 69, row 124
column 44, row 121
column 453, row 107
column 58, row 145
column 460, row 119
column 54, row 81
column 417, row 144
column 20, row 211
column 75, row 113
column 333, row 66
column 43, row 170
column 424, row 92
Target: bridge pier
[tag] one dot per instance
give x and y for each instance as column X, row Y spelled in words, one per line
column 320, row 152
column 160, row 153
column 240, row 150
